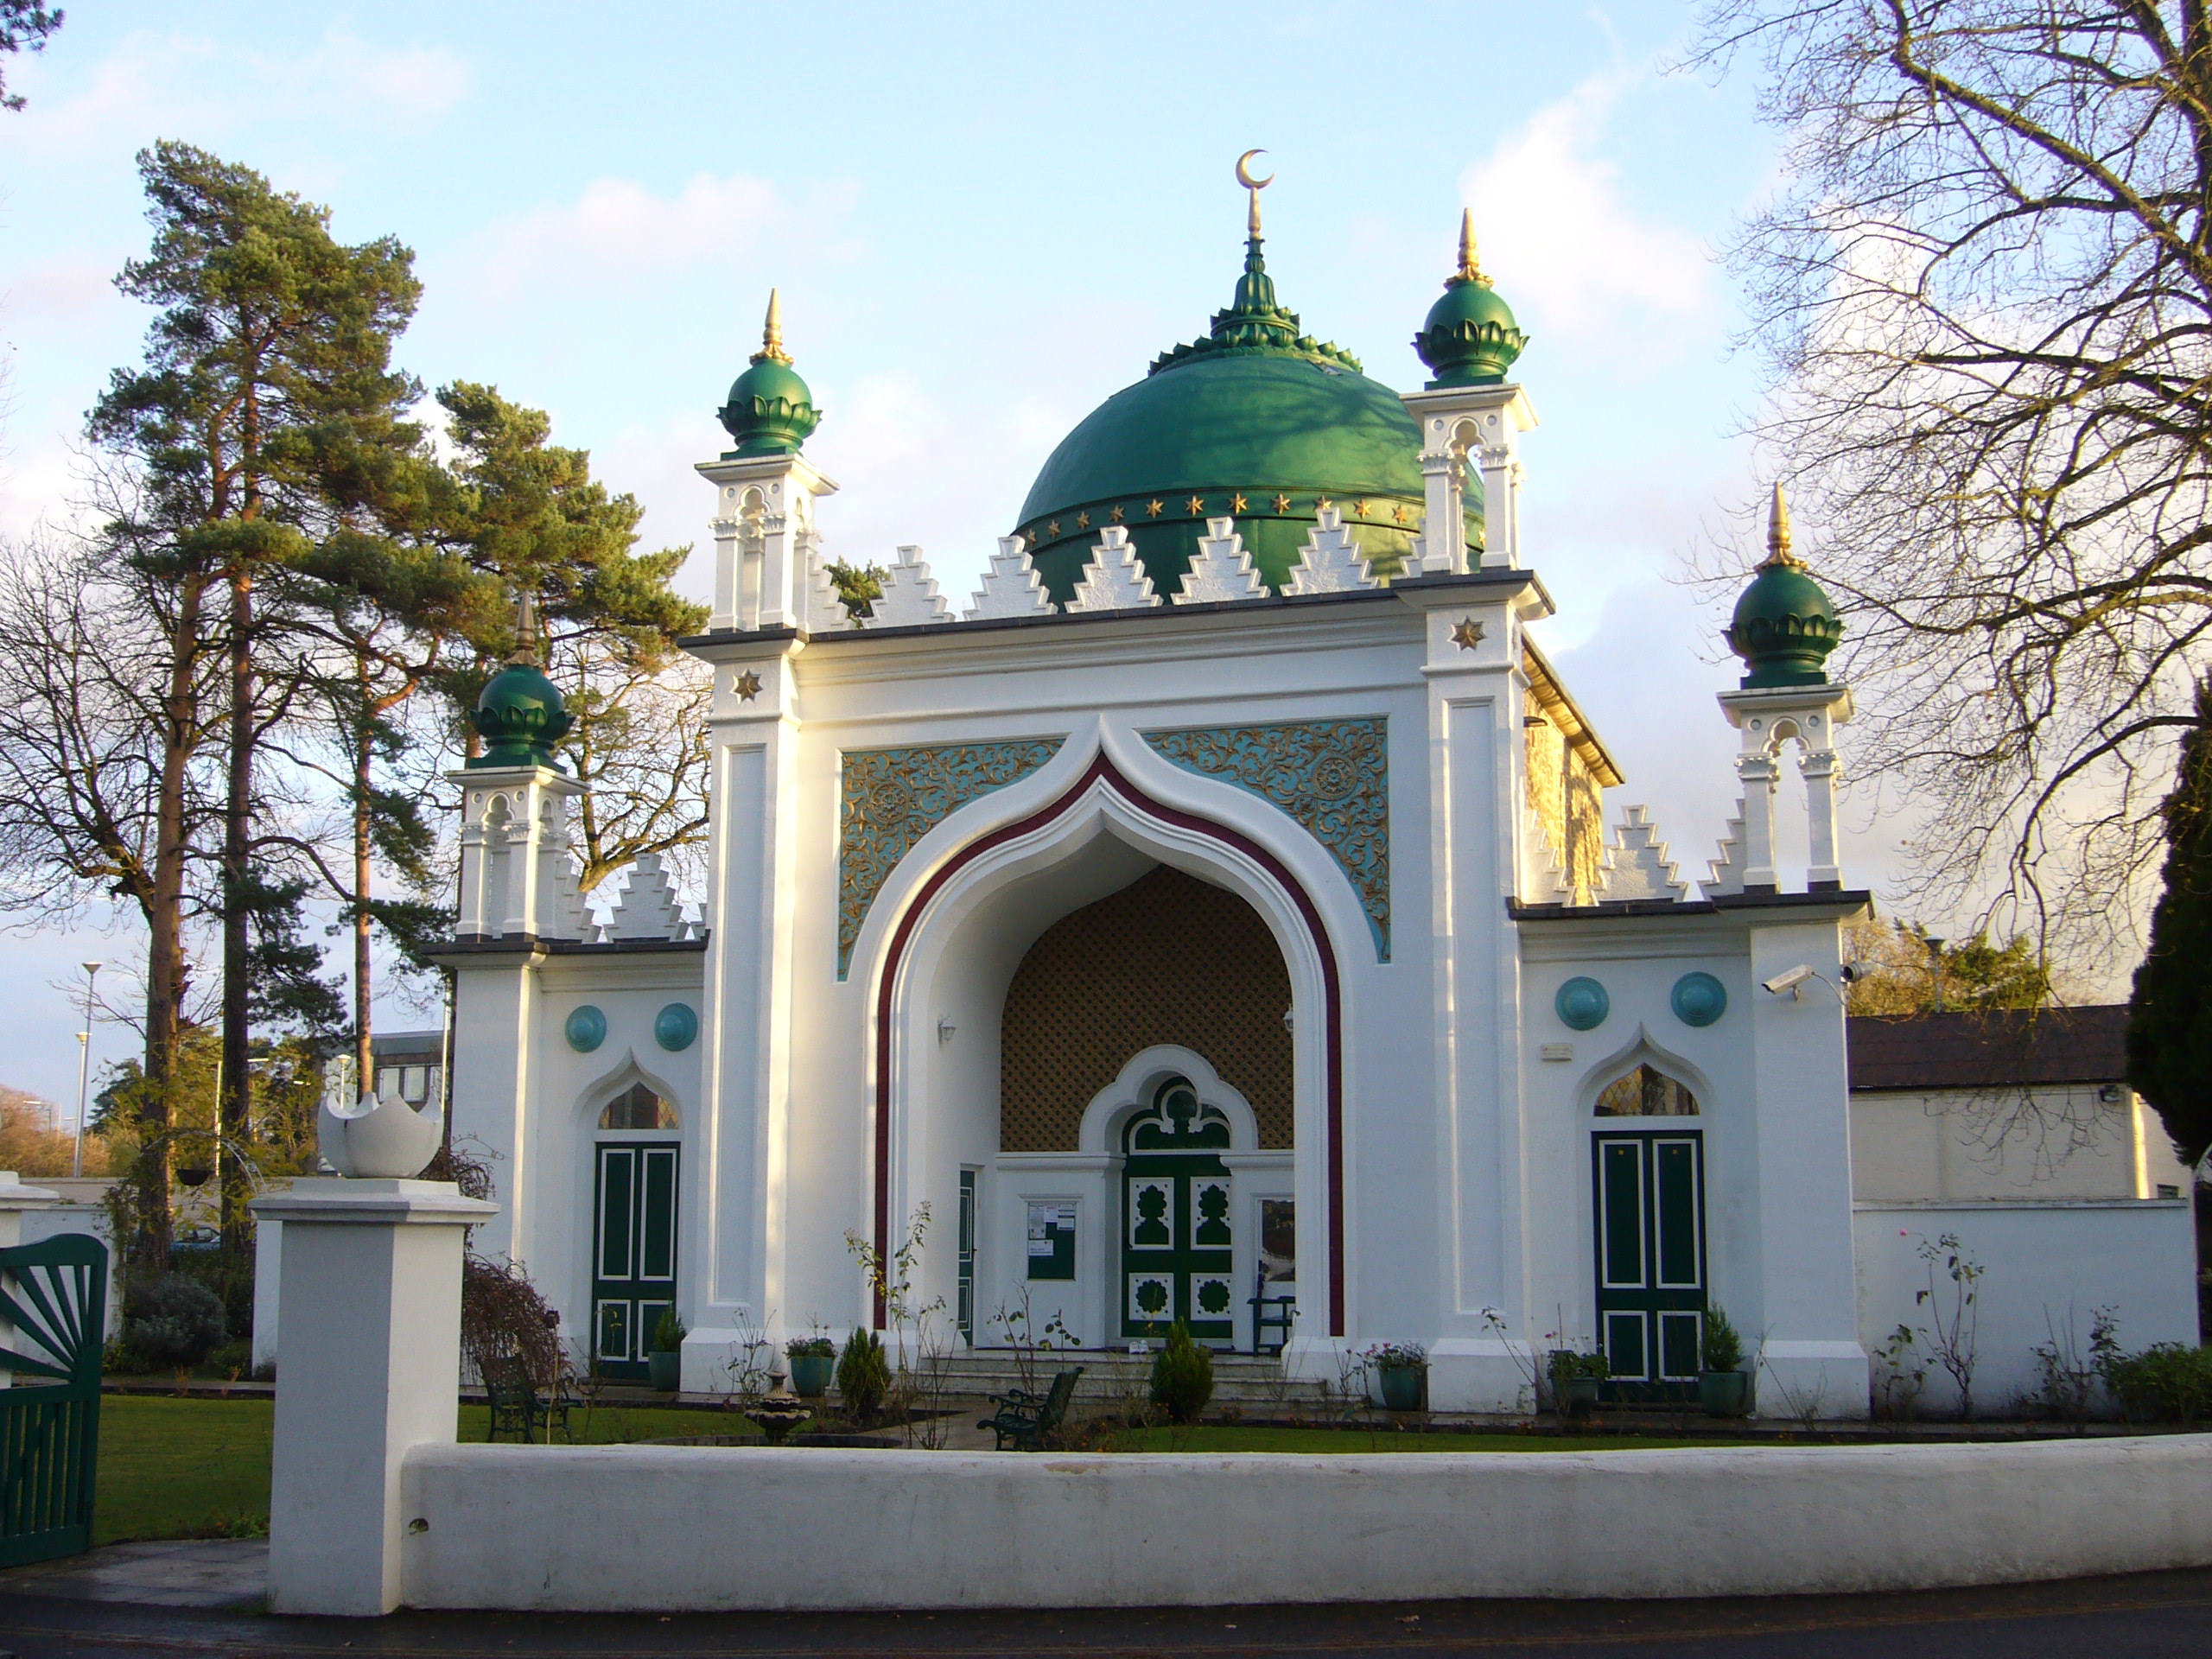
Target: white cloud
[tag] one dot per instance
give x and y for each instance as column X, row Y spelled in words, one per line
column 1581, row 268
column 162, row 83
column 617, row 229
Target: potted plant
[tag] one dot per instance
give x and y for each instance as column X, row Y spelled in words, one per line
column 1575, row 1377
column 1401, row 1371
column 664, row 1355
column 1721, row 1383
column 814, row 1360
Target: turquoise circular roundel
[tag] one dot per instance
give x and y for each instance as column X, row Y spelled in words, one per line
column 586, row 1029
column 1582, row 1003
column 1699, row 999
column 675, row 1027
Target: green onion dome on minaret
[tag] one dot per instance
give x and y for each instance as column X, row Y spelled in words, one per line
column 1784, row 627
column 1469, row 338
column 770, row 411
column 1256, row 421
column 520, row 714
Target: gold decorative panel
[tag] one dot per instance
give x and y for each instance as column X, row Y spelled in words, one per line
column 1167, row 959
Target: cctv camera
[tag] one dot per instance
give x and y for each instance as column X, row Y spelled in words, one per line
column 1788, row 980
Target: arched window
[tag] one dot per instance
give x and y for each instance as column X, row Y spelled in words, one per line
column 1645, row 1092
column 636, row 1108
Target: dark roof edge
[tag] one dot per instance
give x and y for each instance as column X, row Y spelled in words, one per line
column 1843, row 902
column 527, row 944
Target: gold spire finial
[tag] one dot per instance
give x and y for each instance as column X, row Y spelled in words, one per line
column 772, row 333
column 1471, row 269
column 526, row 650
column 1255, row 185
column 1777, row 533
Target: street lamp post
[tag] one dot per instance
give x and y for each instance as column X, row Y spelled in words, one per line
column 84, row 1068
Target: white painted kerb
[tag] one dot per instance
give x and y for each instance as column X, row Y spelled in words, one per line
column 525, row 1527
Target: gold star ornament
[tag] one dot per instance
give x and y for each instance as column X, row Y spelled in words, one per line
column 1052, row 529
column 1153, row 509
column 1236, row 503
column 748, row 685
column 1360, row 507
column 1116, row 515
column 1282, row 504
column 1195, row 505
column 1083, row 521
column 1468, row 634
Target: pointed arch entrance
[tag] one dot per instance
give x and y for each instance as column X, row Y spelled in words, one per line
column 1295, row 919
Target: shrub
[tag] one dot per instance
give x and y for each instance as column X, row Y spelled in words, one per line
column 1182, row 1376
column 863, row 1376
column 1572, row 1361
column 2166, row 1382
column 669, row 1332
column 1723, row 1347
column 504, row 1318
column 174, row 1322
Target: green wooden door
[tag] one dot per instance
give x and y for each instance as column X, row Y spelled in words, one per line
column 633, row 1254
column 53, row 1327
column 1650, row 1215
column 1177, row 1245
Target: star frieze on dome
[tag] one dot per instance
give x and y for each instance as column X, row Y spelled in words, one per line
column 1331, row 776
column 890, row 798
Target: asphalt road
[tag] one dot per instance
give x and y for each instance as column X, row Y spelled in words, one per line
column 2165, row 1615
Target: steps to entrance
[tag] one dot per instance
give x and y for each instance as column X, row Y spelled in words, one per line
column 1248, row 1380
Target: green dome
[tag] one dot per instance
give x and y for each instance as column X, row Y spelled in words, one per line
column 1469, row 338
column 521, row 716
column 770, row 411
column 1256, row 422
column 1784, row 627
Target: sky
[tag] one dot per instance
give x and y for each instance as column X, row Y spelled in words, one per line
column 982, row 223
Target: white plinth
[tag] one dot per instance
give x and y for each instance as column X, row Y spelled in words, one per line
column 371, row 1300
column 14, row 1199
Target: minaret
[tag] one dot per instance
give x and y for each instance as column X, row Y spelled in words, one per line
column 1470, row 417
column 1783, row 628
column 765, row 563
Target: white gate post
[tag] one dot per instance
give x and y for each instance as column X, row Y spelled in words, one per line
column 370, row 1365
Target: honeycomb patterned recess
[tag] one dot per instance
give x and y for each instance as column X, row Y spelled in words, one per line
column 1332, row 776
column 892, row 797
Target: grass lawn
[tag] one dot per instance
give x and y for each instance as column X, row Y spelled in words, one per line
column 200, row 1468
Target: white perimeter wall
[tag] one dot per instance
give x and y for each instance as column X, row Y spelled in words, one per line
column 539, row 1527
column 2046, row 1266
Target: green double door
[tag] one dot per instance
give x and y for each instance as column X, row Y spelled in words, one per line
column 1651, row 1249
column 1178, row 1242
column 633, row 1252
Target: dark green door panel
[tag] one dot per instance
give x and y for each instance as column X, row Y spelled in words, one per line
column 633, row 1252
column 1177, row 1245
column 1649, row 1202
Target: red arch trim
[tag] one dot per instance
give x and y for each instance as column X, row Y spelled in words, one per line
column 1102, row 770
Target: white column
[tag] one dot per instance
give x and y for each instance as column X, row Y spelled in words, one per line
column 1443, row 525
column 1821, row 775
column 371, row 1366
column 1483, row 424
column 760, row 574
column 1758, row 772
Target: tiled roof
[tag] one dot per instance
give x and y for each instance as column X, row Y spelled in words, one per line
column 1981, row 1051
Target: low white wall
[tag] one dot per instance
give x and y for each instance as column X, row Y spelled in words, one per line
column 530, row 1527
column 2046, row 1265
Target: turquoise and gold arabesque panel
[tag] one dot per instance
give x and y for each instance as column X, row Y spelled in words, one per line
column 892, row 797
column 1332, row 776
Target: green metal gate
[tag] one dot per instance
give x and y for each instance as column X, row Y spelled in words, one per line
column 54, row 1294
column 1650, row 1215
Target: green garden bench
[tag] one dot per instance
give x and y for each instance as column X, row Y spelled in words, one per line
column 1024, row 1418
column 519, row 1409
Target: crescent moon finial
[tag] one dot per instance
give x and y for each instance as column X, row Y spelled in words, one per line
column 1244, row 177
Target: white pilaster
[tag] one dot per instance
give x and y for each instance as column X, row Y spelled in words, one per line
column 372, row 1309
column 1767, row 720
column 764, row 534
column 1463, row 427
column 516, row 878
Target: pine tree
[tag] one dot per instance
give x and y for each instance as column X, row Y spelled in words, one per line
column 2170, row 1015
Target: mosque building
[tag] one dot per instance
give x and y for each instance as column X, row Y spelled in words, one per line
column 1214, row 921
